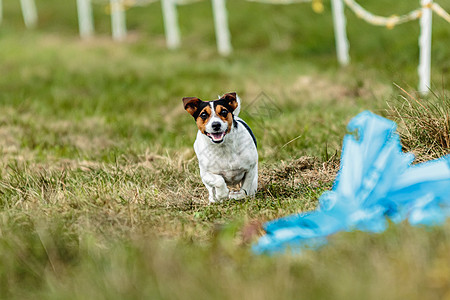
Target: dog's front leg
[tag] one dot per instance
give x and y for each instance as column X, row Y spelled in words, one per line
column 216, row 186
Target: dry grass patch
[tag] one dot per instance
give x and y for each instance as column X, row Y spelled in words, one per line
column 157, row 194
column 298, row 177
column 423, row 123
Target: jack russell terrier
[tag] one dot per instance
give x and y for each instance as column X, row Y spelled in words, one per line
column 225, row 147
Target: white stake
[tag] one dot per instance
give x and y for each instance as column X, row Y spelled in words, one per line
column 1, row 11
column 85, row 19
column 425, row 47
column 340, row 33
column 119, row 30
column 171, row 28
column 29, row 13
column 221, row 27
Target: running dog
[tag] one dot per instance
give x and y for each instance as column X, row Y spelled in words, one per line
column 225, row 147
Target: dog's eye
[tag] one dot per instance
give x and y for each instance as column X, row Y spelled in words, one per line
column 224, row 113
column 204, row 115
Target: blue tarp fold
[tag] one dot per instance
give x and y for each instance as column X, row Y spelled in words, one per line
column 376, row 181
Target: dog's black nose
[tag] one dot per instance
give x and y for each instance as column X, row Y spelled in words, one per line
column 216, row 126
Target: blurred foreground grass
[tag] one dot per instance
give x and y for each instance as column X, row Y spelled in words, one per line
column 100, row 195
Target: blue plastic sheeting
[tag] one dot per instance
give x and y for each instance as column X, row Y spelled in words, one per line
column 376, row 181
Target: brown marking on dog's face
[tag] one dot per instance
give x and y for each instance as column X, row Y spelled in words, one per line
column 191, row 104
column 203, row 118
column 230, row 98
column 225, row 115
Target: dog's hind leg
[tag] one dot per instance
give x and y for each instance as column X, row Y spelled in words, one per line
column 253, row 184
column 249, row 185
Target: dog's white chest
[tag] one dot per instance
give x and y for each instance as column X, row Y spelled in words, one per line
column 232, row 171
column 231, row 159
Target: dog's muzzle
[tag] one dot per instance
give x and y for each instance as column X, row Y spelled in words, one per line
column 216, row 137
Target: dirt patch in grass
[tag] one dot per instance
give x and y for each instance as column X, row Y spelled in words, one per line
column 322, row 87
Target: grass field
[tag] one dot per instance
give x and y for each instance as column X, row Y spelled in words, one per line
column 100, row 196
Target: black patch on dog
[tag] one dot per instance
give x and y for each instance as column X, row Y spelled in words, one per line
column 200, row 107
column 225, row 103
column 249, row 131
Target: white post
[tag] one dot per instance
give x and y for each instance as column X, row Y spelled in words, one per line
column 85, row 19
column 29, row 13
column 221, row 27
column 425, row 47
column 171, row 28
column 119, row 30
column 340, row 33
column 1, row 11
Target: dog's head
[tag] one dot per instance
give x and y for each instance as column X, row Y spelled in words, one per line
column 214, row 118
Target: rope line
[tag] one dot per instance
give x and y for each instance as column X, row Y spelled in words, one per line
column 317, row 5
column 186, row 2
column 369, row 17
column 123, row 4
column 389, row 22
column 440, row 11
column 127, row 4
column 394, row 20
column 359, row 11
column 280, row 2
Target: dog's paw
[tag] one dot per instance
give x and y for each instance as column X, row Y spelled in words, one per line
column 237, row 195
column 221, row 194
column 216, row 200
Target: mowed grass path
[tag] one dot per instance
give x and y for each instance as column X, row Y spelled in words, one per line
column 100, row 196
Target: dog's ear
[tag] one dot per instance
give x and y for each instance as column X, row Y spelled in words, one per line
column 230, row 98
column 191, row 104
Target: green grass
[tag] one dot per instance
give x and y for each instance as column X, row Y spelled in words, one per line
column 100, row 196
